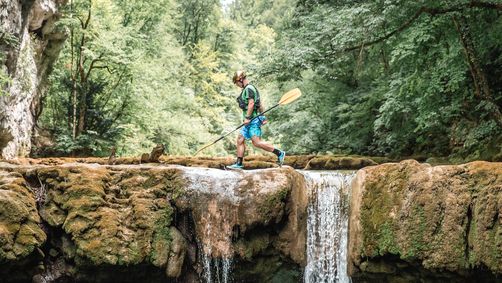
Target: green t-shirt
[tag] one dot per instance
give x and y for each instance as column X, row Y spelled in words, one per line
column 249, row 92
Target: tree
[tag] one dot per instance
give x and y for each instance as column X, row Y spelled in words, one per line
column 413, row 69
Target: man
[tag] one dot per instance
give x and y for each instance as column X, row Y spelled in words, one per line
column 250, row 103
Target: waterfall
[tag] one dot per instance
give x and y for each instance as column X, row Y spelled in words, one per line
column 214, row 220
column 215, row 270
column 327, row 226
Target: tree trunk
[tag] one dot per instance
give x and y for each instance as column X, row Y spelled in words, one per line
column 481, row 86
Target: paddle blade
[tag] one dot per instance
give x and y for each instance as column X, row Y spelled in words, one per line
column 290, row 96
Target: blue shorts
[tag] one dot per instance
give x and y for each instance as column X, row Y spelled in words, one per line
column 253, row 128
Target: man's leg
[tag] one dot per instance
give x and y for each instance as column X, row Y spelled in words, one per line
column 257, row 142
column 241, row 148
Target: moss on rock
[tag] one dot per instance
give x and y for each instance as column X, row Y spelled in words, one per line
column 20, row 233
column 334, row 162
column 443, row 217
column 117, row 217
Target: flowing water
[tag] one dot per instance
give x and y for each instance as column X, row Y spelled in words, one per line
column 216, row 270
column 327, row 226
column 215, row 219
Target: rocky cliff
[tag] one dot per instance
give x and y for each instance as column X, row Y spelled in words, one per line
column 412, row 222
column 29, row 44
column 84, row 222
column 93, row 223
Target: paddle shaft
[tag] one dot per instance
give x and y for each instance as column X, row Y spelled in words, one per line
column 240, row 126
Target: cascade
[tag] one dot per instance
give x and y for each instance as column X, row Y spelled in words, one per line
column 214, row 219
column 327, row 226
column 215, row 269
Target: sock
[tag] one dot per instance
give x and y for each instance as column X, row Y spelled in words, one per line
column 276, row 152
column 239, row 160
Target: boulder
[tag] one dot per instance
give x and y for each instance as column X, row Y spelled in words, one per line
column 412, row 220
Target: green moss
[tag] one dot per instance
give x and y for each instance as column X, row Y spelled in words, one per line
column 162, row 238
column 417, row 233
column 382, row 194
column 272, row 203
column 387, row 239
column 247, row 249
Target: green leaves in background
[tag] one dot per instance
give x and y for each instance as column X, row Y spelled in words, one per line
column 386, row 77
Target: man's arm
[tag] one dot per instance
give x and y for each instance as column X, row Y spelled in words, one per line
column 249, row 112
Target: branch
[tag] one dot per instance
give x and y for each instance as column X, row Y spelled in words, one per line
column 92, row 64
column 432, row 12
column 105, row 67
column 112, row 89
column 488, row 5
column 88, row 16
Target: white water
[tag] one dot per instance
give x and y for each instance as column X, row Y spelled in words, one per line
column 327, row 226
column 215, row 227
column 216, row 270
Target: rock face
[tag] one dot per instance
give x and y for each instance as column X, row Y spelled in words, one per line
column 411, row 222
column 94, row 223
column 77, row 222
column 29, row 43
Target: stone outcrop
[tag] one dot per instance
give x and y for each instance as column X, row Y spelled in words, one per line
column 29, row 45
column 20, row 233
column 83, row 222
column 307, row 162
column 130, row 223
column 411, row 222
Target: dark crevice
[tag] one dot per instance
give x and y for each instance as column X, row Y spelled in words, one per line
column 39, row 32
column 468, row 232
column 391, row 268
column 439, row 224
column 184, row 222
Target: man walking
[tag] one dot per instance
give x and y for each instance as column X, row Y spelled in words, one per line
column 249, row 102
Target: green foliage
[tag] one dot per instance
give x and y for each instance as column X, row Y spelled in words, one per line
column 5, row 82
column 389, row 86
column 378, row 78
column 10, row 41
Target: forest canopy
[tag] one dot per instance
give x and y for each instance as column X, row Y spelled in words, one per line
column 386, row 78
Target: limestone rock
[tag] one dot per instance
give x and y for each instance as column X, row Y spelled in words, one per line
column 434, row 218
column 28, row 63
column 117, row 217
column 177, row 254
column 145, row 158
column 20, row 233
column 232, row 204
column 112, row 159
column 157, row 151
column 332, row 162
column 127, row 218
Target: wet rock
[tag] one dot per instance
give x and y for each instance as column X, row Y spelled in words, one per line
column 20, row 234
column 333, row 162
column 105, row 219
column 432, row 218
column 157, row 151
column 177, row 254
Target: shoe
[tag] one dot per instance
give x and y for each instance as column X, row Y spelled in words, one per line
column 280, row 158
column 235, row 166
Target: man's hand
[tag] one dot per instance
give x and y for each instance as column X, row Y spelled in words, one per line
column 246, row 121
